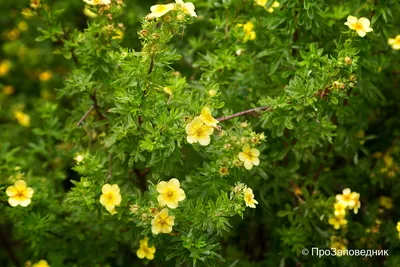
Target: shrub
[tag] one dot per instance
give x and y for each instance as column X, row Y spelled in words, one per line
column 218, row 133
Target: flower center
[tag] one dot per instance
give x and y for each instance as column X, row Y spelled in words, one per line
column 359, row 26
column 162, row 222
column 170, row 194
column 20, row 194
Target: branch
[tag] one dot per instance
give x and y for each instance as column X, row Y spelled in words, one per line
column 84, row 116
column 243, row 113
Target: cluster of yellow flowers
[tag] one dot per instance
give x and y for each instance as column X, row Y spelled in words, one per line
column 201, row 128
column 158, row 11
column 111, row 197
column 263, row 3
column 19, row 194
column 346, row 200
column 170, row 194
column 249, row 33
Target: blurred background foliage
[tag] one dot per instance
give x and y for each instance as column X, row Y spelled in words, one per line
column 346, row 139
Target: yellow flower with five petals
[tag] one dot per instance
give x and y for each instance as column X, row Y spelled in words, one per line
column 145, row 251
column 19, row 194
column 162, row 223
column 249, row 198
column 249, row 156
column 170, row 193
column 360, row 25
column 197, row 131
column 337, row 222
column 111, row 197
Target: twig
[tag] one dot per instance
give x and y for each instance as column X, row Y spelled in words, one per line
column 84, row 116
column 243, row 113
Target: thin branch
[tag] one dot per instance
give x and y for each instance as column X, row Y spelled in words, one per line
column 84, row 116
column 253, row 110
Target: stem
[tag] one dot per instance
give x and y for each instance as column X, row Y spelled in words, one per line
column 243, row 113
column 84, row 116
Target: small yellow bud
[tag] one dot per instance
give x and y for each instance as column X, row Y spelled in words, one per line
column 212, row 93
column 348, row 60
column 243, row 140
column 244, row 124
column 227, row 146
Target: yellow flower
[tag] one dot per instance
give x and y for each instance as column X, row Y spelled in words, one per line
column 97, row 2
column 111, row 197
column 261, row 2
column 19, row 194
column 45, row 76
column 35, row 4
column 145, row 250
column 160, row 10
column 340, row 209
column 78, row 158
column 357, row 204
column 207, row 117
column 395, row 42
column 212, row 92
column 4, row 67
column 249, row 156
column 346, row 198
column 8, row 90
column 388, row 160
column 338, row 243
column 188, row 7
column 223, row 171
column 337, row 222
column 198, row 132
column 22, row 118
column 249, row 34
column 361, row 25
column 386, row 202
column 162, row 223
column 89, row 13
column 170, row 193
column 41, row 263
column 398, row 228
column 249, row 198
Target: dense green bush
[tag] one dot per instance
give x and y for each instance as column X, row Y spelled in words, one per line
column 218, row 133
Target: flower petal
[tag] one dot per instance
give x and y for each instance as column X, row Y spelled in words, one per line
column 106, row 188
column 174, row 183
column 25, row 202
column 13, row 201
column 20, row 185
column 248, row 165
column 162, row 187
column 204, row 140
column 11, row 191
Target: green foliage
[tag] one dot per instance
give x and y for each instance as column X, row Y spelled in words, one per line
column 102, row 94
